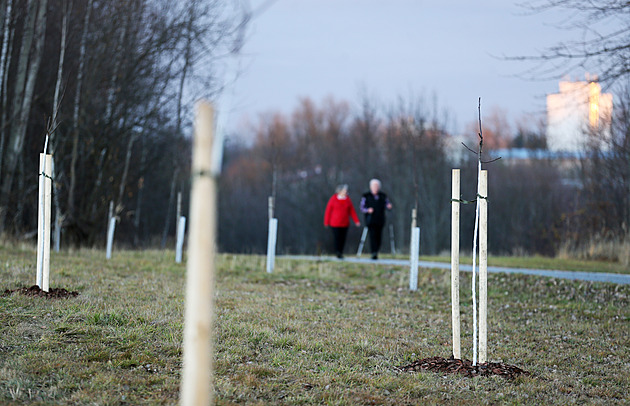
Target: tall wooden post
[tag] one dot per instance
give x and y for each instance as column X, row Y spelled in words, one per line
column 483, row 267
column 196, row 388
column 43, row 221
column 455, row 194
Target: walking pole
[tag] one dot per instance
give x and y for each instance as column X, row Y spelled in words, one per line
column 362, row 243
column 391, row 235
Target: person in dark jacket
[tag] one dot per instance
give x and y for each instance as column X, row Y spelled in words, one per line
column 373, row 205
column 337, row 216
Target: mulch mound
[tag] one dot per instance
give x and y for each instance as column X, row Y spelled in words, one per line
column 464, row 367
column 53, row 293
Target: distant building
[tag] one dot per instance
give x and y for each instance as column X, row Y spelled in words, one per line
column 579, row 114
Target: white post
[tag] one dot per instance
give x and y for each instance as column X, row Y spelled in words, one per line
column 181, row 232
column 474, row 272
column 271, row 244
column 483, row 267
column 413, row 270
column 196, row 387
column 457, row 352
column 110, row 236
column 43, row 221
column 272, row 237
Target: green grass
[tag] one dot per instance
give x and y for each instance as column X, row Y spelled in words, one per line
column 311, row 333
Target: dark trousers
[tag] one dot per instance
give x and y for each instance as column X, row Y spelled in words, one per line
column 376, row 232
column 339, row 238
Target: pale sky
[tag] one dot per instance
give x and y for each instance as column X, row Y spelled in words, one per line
column 450, row 49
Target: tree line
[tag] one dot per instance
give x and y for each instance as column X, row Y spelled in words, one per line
column 112, row 85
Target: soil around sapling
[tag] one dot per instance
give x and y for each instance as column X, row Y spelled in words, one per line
column 35, row 291
column 464, row 367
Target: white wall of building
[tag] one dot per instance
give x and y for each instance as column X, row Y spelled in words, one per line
column 577, row 113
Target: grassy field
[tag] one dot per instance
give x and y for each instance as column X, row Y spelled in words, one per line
column 311, row 333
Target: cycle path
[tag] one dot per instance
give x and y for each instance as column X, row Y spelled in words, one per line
column 551, row 273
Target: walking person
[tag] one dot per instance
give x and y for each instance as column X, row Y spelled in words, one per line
column 337, row 216
column 373, row 205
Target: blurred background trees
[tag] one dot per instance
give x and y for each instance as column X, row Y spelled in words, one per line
column 116, row 77
column 407, row 146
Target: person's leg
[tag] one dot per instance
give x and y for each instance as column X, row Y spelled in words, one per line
column 343, row 232
column 379, row 239
column 335, row 233
column 339, row 239
column 374, row 240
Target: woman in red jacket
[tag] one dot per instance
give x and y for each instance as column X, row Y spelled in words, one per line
column 338, row 212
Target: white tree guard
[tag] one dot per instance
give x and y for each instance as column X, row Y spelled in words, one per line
column 43, row 221
column 110, row 236
column 181, row 232
column 271, row 244
column 414, row 252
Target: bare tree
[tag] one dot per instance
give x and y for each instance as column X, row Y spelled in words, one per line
column 76, row 109
column 604, row 44
column 57, row 172
column 28, row 68
column 5, row 62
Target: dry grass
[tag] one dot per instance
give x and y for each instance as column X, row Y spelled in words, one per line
column 599, row 248
column 311, row 333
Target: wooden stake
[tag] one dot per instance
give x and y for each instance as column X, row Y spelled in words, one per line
column 43, row 221
column 455, row 194
column 483, row 267
column 196, row 388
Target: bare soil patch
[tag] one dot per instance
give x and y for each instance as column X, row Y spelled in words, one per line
column 464, row 367
column 53, row 293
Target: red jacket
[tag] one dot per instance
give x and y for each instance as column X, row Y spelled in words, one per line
column 338, row 211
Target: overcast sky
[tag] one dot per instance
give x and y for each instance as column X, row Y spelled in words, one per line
column 450, row 49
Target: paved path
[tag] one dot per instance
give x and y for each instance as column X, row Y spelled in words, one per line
column 574, row 275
